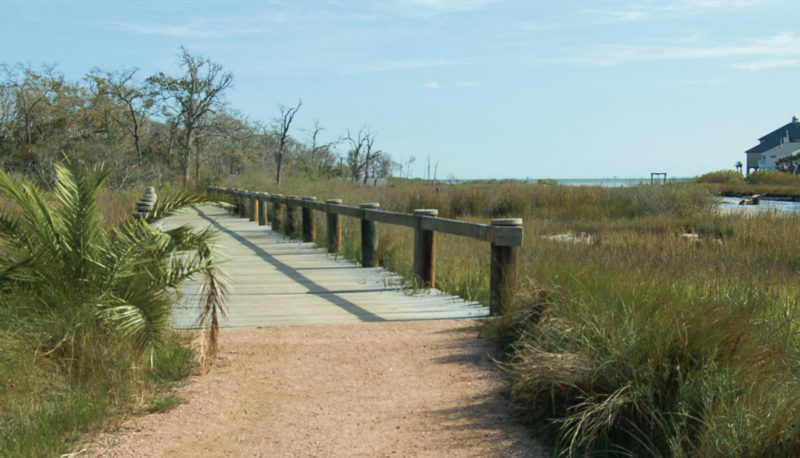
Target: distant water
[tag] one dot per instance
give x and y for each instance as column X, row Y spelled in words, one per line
column 779, row 205
column 611, row 182
column 604, row 182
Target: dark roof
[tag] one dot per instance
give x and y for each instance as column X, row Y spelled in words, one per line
column 773, row 139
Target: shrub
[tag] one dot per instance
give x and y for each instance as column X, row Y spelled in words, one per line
column 721, row 177
column 83, row 305
column 668, row 200
column 773, row 177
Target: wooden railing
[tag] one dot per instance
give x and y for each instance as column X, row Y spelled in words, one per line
column 504, row 235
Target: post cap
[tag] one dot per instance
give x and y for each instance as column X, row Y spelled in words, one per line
column 291, row 197
column 277, row 195
column 426, row 212
column 310, row 198
column 262, row 195
column 507, row 222
column 371, row 205
column 334, row 201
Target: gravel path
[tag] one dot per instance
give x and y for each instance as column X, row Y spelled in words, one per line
column 365, row 390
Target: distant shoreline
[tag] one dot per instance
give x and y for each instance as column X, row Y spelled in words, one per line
column 605, row 182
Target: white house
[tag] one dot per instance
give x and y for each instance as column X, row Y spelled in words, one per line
column 773, row 146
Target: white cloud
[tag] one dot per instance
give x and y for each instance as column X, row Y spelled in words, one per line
column 767, row 64
column 686, row 83
column 640, row 10
column 620, row 15
column 398, row 65
column 431, row 85
column 786, row 44
column 447, row 6
column 195, row 28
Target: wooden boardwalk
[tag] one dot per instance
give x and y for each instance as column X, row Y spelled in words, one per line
column 280, row 282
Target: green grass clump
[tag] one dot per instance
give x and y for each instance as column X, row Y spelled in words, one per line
column 647, row 366
column 166, row 404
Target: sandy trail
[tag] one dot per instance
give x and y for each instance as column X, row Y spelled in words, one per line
column 343, row 390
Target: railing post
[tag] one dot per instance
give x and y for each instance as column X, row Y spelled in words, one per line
column 369, row 238
column 425, row 251
column 291, row 216
column 253, row 209
column 233, row 196
column 503, row 264
column 235, row 193
column 243, row 195
column 277, row 206
column 309, row 225
column 334, row 228
column 262, row 208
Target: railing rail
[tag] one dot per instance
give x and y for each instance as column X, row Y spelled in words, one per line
column 504, row 235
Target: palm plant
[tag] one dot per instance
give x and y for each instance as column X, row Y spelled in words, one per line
column 123, row 280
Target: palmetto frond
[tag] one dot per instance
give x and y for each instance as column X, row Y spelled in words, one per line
column 62, row 255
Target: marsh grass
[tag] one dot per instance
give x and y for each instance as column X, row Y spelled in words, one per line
column 639, row 340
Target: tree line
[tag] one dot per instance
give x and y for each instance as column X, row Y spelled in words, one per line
column 164, row 127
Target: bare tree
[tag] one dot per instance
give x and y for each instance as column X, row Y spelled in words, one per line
column 283, row 123
column 409, row 171
column 369, row 155
column 234, row 140
column 354, row 155
column 362, row 144
column 192, row 98
column 320, row 153
column 123, row 87
column 32, row 91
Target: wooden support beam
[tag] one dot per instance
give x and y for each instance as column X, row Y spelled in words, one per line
column 334, row 227
column 262, row 208
column 277, row 208
column 243, row 204
column 502, row 269
column 291, row 216
column 309, row 225
column 425, row 251
column 369, row 238
column 253, row 201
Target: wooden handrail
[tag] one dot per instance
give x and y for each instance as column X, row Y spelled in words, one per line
column 504, row 235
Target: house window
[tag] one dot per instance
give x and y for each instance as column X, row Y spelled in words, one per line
column 772, row 157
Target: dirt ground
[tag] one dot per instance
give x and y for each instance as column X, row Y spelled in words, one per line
column 391, row 389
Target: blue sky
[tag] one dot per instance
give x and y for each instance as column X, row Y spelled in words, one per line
column 488, row 89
